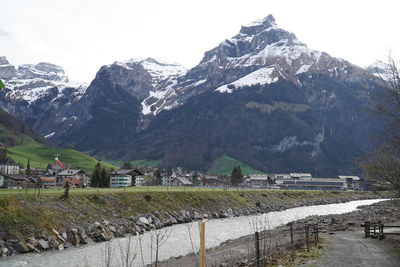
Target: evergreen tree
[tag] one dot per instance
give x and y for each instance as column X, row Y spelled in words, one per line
column 3, row 154
column 236, row 175
column 96, row 176
column 127, row 166
column 158, row 176
column 28, row 169
column 105, row 180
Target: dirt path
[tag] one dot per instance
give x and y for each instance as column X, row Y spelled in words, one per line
column 350, row 248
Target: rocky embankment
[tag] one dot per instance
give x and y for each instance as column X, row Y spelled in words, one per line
column 48, row 223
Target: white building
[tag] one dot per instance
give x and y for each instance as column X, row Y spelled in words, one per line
column 258, row 180
column 121, row 178
column 166, row 181
column 9, row 166
column 140, row 180
column 352, row 182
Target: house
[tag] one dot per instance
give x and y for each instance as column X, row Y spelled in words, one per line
column 53, row 169
column 299, row 175
column 9, row 166
column 47, row 182
column 258, row 180
column 166, row 180
column 313, row 184
column 121, row 178
column 352, row 182
column 212, row 180
column 77, row 177
column 140, row 180
column 181, row 181
column 14, row 180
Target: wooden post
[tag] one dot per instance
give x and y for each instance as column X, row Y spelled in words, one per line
column 374, row 229
column 367, row 229
column 316, row 227
column 202, row 255
column 291, row 242
column 291, row 234
column 257, row 240
column 308, row 245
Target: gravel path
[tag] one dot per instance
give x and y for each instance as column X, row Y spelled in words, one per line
column 350, row 248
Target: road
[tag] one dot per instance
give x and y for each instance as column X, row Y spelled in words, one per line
column 350, row 248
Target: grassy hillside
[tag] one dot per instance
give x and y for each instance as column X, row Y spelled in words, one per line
column 39, row 156
column 224, row 165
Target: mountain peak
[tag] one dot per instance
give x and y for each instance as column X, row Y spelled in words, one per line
column 258, row 25
column 4, row 61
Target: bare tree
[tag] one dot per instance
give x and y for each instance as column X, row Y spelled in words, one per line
column 384, row 163
column 158, row 238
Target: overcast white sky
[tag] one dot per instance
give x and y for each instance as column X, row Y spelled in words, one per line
column 83, row 35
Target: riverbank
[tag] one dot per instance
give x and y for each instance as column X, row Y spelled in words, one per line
column 240, row 252
column 30, row 224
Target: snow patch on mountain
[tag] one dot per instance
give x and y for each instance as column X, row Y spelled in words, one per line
column 303, row 69
column 50, row 135
column 380, row 69
column 158, row 69
column 261, row 76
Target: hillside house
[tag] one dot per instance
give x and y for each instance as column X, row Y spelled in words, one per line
column 9, row 166
column 53, row 169
column 77, row 177
column 47, row 182
column 13, row 180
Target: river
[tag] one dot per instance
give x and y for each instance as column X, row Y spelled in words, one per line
column 179, row 239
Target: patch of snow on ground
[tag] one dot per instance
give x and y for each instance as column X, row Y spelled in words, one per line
column 50, row 135
column 261, row 76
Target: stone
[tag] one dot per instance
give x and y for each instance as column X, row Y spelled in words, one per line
column 43, row 244
column 56, row 232
column 64, row 235
column 21, row 247
column 97, row 225
column 33, row 241
column 142, row 221
column 4, row 251
column 76, row 240
column 82, row 233
column 74, row 231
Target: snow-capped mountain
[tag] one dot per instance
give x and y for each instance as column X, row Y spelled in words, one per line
column 36, row 93
column 262, row 97
column 261, row 52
